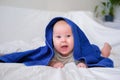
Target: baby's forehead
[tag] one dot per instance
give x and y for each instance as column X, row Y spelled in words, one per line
column 62, row 28
column 61, row 23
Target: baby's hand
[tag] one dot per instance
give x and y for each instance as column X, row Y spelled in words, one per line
column 82, row 65
column 58, row 65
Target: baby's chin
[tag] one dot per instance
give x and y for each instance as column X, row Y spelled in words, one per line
column 64, row 54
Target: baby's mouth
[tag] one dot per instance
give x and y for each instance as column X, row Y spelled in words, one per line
column 64, row 47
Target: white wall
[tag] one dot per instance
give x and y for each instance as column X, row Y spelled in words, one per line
column 54, row 5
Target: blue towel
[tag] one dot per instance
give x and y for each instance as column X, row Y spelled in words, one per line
column 83, row 50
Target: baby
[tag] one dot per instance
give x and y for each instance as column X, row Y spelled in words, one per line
column 63, row 42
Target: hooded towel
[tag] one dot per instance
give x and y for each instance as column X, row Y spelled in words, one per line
column 83, row 50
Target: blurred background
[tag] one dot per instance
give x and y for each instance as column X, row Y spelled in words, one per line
column 52, row 5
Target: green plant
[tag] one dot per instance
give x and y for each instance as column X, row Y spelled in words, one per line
column 106, row 7
column 115, row 2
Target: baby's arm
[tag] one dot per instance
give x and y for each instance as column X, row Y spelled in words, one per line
column 56, row 64
column 82, row 65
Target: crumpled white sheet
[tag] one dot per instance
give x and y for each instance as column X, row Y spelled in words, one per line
column 15, row 71
column 20, row 45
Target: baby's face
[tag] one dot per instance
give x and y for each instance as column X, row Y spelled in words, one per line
column 63, row 38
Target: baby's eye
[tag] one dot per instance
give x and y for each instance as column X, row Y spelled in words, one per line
column 68, row 35
column 58, row 36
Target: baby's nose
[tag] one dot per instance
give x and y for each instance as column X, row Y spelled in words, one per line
column 63, row 39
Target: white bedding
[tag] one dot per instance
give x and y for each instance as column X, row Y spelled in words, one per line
column 23, row 29
column 69, row 72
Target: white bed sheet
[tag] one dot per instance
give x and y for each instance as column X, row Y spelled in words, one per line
column 14, row 71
